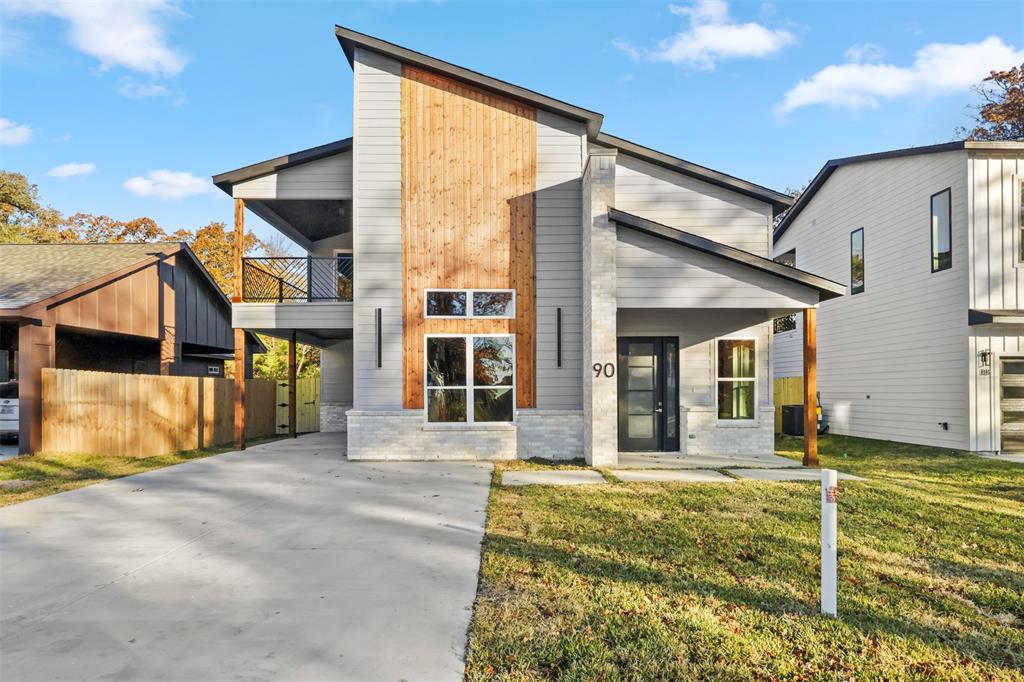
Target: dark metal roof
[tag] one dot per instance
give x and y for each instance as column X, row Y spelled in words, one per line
column 827, row 289
column 350, row 39
column 778, row 200
column 226, row 180
column 830, row 167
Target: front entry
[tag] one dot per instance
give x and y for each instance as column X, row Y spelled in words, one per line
column 648, row 394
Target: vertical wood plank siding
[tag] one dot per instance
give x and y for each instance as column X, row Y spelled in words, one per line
column 140, row 415
column 469, row 172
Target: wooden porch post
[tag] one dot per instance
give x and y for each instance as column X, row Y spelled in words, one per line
column 37, row 346
column 810, row 387
column 240, row 344
column 292, row 425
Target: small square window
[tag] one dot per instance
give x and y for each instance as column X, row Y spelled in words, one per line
column 493, row 304
column 446, row 303
column 213, row 370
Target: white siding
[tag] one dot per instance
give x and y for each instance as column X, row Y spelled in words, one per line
column 336, row 373
column 377, row 229
column 558, row 256
column 654, row 273
column 997, row 279
column 891, row 360
column 302, row 316
column 691, row 205
column 788, row 358
column 326, row 247
column 327, row 178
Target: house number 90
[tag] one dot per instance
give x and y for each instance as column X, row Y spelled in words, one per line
column 607, row 369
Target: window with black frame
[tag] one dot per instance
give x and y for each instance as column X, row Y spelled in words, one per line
column 470, row 379
column 942, row 230
column 857, row 261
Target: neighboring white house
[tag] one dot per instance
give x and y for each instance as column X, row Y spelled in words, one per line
column 928, row 347
column 491, row 276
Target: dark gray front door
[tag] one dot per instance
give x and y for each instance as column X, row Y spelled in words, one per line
column 648, row 394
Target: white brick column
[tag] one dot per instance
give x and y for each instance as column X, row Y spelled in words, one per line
column 600, row 394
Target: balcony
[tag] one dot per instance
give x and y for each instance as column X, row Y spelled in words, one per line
column 297, row 279
column 308, row 296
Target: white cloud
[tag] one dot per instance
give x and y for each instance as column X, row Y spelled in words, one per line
column 13, row 134
column 864, row 52
column 938, row 69
column 127, row 34
column 712, row 36
column 134, row 90
column 166, row 184
column 70, row 170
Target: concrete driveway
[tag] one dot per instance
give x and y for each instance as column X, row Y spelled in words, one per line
column 284, row 562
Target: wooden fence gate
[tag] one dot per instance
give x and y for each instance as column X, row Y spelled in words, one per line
column 307, row 410
column 786, row 391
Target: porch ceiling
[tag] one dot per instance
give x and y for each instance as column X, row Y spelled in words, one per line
column 305, row 221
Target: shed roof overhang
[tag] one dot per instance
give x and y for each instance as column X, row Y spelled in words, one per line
column 304, row 221
column 349, row 40
column 976, row 317
column 826, row 289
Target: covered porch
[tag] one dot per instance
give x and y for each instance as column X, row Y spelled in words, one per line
column 693, row 345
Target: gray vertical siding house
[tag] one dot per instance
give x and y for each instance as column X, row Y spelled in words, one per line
column 492, row 276
column 929, row 346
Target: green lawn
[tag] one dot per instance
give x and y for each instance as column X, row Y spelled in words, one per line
column 30, row 476
column 682, row 581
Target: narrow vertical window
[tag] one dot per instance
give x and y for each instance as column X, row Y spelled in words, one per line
column 857, row 261
column 736, row 378
column 942, row 231
column 1020, row 220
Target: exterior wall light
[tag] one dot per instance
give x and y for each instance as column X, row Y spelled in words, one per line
column 984, row 358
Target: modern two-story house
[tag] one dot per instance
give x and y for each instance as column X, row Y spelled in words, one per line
column 928, row 347
column 492, row 276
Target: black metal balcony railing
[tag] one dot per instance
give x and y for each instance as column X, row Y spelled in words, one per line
column 297, row 278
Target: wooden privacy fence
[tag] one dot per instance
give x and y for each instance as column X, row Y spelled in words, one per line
column 786, row 391
column 141, row 415
column 307, row 409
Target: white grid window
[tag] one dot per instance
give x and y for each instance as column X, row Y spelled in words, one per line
column 470, row 378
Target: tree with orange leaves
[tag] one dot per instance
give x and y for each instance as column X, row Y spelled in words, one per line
column 1000, row 117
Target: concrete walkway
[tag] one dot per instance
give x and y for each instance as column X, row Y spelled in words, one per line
column 663, row 460
column 283, row 562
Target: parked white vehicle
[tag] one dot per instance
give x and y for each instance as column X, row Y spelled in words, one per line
column 8, row 409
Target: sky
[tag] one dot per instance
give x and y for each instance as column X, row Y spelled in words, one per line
column 127, row 109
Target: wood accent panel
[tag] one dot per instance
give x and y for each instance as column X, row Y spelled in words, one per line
column 469, row 173
column 127, row 305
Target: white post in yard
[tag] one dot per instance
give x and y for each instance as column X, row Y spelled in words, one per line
column 829, row 531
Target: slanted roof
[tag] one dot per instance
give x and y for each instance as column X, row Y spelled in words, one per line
column 830, row 167
column 226, row 180
column 34, row 272
column 827, row 289
column 778, row 200
column 350, row 39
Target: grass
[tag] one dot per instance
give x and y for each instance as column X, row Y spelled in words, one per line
column 50, row 473
column 682, row 581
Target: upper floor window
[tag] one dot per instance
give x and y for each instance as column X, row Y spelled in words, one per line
column 1020, row 219
column 499, row 303
column 942, row 230
column 857, row 261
